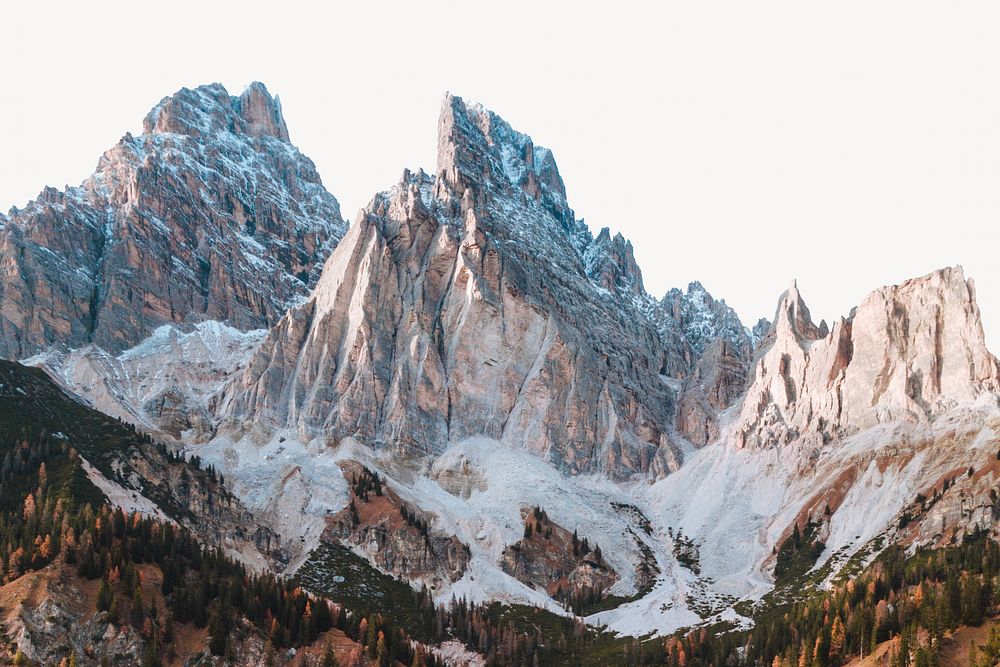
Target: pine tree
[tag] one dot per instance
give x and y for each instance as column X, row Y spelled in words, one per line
column 218, row 637
column 837, row 638
column 329, row 659
column 104, row 595
column 972, row 601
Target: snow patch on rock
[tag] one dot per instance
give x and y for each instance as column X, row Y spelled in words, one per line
column 128, row 499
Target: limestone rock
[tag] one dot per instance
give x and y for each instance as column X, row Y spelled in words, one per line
column 611, row 263
column 721, row 349
column 909, row 351
column 210, row 214
column 460, row 305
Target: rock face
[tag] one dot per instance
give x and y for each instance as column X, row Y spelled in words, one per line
column 397, row 538
column 210, row 214
column 909, row 351
column 703, row 320
column 721, row 348
column 472, row 303
column 718, row 380
column 551, row 559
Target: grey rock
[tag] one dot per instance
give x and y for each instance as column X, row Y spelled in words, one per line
column 460, row 305
column 210, row 214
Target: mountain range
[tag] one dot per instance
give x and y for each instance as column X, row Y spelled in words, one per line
column 468, row 390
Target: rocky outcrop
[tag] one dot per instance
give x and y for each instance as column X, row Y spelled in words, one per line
column 908, row 352
column 721, row 350
column 548, row 557
column 210, row 214
column 610, row 262
column 50, row 613
column 460, row 305
column 395, row 536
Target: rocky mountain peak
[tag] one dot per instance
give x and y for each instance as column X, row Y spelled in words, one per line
column 721, row 349
column 931, row 330
column 702, row 319
column 210, row 214
column 459, row 306
column 792, row 317
column 907, row 352
column 262, row 112
column 760, row 331
column 478, row 150
column 610, row 262
column 696, row 287
column 210, row 109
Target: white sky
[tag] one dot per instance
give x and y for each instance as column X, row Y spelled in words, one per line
column 848, row 144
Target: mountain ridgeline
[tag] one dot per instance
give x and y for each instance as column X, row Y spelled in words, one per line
column 460, row 430
column 474, row 303
column 209, row 214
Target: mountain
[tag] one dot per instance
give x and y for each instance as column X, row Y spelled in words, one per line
column 908, row 352
column 405, row 360
column 466, row 416
column 209, row 214
column 472, row 303
column 883, row 430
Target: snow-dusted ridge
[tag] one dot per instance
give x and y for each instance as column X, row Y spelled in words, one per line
column 208, row 214
column 164, row 384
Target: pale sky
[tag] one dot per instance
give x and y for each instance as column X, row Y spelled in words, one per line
column 848, row 145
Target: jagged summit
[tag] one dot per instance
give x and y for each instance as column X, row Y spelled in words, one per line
column 461, row 306
column 209, row 215
column 209, row 109
column 610, row 262
column 792, row 316
column 907, row 352
column 478, row 150
column 482, row 161
column 702, row 319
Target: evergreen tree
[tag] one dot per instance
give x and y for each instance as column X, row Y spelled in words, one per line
column 329, row 659
column 218, row 636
